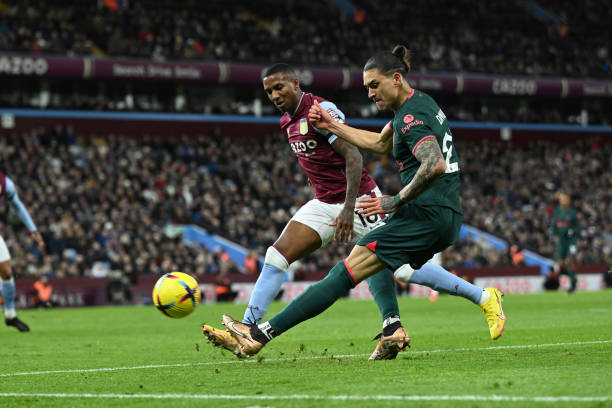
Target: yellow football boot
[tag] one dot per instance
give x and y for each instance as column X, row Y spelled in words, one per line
column 494, row 313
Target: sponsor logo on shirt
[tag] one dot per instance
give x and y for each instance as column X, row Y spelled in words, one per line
column 306, row 148
column 333, row 114
column 410, row 122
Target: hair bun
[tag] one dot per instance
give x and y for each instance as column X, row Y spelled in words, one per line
column 400, row 51
column 403, row 54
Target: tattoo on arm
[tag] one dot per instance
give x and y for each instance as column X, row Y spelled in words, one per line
column 354, row 164
column 432, row 166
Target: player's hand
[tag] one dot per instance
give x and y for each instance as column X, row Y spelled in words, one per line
column 344, row 225
column 39, row 241
column 319, row 117
column 376, row 205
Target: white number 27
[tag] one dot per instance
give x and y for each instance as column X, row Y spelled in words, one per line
column 447, row 149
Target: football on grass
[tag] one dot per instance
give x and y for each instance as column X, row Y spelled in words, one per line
column 176, row 294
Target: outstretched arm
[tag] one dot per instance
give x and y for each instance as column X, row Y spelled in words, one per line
column 432, row 166
column 22, row 212
column 376, row 142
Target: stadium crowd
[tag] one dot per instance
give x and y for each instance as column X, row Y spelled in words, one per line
column 560, row 38
column 114, row 199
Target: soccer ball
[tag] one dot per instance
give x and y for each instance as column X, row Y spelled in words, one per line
column 176, row 294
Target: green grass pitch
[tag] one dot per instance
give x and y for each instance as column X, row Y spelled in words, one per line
column 556, row 352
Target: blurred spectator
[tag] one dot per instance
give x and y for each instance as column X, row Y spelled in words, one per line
column 517, row 256
column 608, row 277
column 226, row 265
column 551, row 282
column 251, row 264
column 41, row 292
column 109, row 198
column 490, row 37
column 223, row 289
column 118, row 290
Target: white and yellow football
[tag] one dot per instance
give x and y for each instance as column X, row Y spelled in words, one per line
column 176, row 294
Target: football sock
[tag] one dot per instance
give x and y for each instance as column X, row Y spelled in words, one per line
column 438, row 278
column 484, row 298
column 389, row 329
column 8, row 295
column 382, row 286
column 266, row 288
column 313, row 300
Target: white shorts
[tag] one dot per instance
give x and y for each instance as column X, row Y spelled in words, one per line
column 318, row 215
column 4, row 253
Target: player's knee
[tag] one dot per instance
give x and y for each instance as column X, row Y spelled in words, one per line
column 275, row 258
column 404, row 273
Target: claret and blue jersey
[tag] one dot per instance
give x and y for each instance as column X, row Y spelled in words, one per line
column 324, row 167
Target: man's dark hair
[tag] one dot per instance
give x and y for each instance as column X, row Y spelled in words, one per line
column 283, row 68
column 388, row 62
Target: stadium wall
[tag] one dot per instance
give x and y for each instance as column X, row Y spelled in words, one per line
column 74, row 292
column 49, row 66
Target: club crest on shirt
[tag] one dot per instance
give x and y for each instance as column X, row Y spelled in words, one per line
column 303, row 126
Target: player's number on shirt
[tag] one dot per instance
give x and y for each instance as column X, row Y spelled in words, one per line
column 447, row 149
column 371, row 219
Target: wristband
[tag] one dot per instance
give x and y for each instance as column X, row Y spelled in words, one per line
column 397, row 200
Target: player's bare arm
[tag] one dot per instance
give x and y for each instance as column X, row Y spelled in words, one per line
column 354, row 164
column 432, row 167
column 376, row 142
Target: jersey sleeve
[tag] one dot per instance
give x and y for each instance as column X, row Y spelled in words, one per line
column 22, row 213
column 336, row 114
column 415, row 128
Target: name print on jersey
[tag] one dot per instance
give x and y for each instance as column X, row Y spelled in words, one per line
column 299, row 147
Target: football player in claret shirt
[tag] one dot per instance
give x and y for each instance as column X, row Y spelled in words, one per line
column 9, row 192
column 336, row 172
column 427, row 212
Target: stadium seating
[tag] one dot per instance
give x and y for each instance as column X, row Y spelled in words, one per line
column 500, row 37
column 110, row 198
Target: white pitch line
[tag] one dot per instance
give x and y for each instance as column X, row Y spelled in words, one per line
column 142, row 367
column 492, row 398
